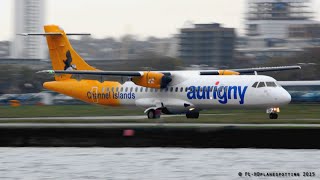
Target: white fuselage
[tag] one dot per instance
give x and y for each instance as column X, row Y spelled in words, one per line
column 191, row 90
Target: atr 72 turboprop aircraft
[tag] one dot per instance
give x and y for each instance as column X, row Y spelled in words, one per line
column 168, row 92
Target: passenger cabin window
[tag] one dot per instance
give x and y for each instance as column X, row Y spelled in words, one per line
column 261, row 84
column 271, row 84
column 131, row 89
column 136, row 90
column 146, row 89
column 141, row 89
column 186, row 89
column 156, row 90
column 171, row 89
column 121, row 89
column 181, row 89
column 255, row 84
column 177, row 89
column 126, row 89
column 117, row 89
column 151, row 89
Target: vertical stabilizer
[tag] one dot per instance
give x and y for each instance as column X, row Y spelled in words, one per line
column 62, row 55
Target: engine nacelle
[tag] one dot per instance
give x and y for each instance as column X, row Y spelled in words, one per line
column 228, row 72
column 152, row 80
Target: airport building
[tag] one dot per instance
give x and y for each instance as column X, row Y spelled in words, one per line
column 207, row 44
column 29, row 16
column 279, row 28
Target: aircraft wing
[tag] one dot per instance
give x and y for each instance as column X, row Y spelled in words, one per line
column 299, row 83
column 250, row 70
column 202, row 72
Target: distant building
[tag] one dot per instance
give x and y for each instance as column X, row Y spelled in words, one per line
column 304, row 31
column 278, row 28
column 29, row 16
column 4, row 49
column 272, row 18
column 207, row 44
column 164, row 46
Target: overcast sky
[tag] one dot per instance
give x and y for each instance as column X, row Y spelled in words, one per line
column 160, row 18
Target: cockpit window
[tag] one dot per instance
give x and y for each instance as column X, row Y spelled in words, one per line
column 255, row 84
column 271, row 84
column 261, row 84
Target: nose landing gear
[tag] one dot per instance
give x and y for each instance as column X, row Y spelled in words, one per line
column 273, row 113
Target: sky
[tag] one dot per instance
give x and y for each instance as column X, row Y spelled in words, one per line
column 142, row 18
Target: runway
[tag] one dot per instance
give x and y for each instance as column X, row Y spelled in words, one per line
column 147, row 125
column 132, row 117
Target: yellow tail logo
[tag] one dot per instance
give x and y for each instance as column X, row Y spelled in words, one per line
column 62, row 55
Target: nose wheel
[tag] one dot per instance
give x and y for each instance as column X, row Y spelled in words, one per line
column 273, row 113
column 273, row 116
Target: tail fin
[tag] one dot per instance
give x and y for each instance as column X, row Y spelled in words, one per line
column 63, row 56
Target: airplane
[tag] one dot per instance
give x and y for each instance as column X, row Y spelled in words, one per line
column 162, row 92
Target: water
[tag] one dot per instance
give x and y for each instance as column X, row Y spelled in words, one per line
column 153, row 163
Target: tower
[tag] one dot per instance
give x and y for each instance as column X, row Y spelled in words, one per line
column 29, row 16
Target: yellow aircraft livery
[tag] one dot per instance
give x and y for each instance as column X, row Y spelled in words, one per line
column 168, row 92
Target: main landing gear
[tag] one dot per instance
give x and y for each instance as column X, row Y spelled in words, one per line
column 192, row 114
column 273, row 113
column 154, row 114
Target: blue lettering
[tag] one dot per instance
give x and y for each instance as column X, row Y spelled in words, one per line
column 215, row 91
column 207, row 89
column 200, row 93
column 241, row 94
column 234, row 88
column 192, row 92
column 221, row 93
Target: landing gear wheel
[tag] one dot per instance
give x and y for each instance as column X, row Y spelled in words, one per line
column 273, row 116
column 192, row 115
column 154, row 114
column 151, row 114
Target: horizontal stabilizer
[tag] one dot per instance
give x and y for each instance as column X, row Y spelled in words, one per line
column 54, row 34
column 106, row 73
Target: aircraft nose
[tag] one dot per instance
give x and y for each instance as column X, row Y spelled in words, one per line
column 285, row 97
